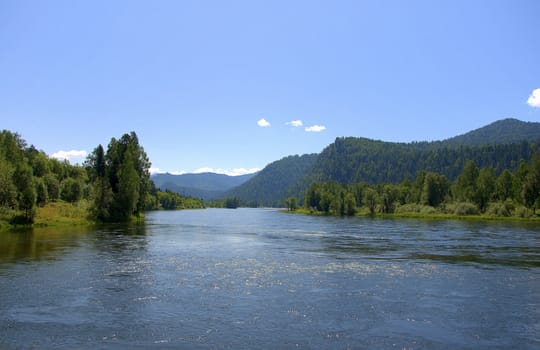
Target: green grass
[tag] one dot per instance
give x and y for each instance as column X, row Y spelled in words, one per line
column 63, row 214
column 423, row 215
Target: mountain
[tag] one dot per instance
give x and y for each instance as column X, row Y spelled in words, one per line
column 502, row 131
column 275, row 182
column 204, row 185
column 351, row 160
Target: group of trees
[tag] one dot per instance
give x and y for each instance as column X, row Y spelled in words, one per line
column 476, row 190
column 29, row 178
column 116, row 182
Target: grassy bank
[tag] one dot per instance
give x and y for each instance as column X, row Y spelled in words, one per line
column 419, row 215
column 55, row 214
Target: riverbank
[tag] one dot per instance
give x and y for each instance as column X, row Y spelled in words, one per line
column 415, row 215
column 55, row 214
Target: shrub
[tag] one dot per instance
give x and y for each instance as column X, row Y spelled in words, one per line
column 415, row 208
column 501, row 209
column 466, row 208
column 523, row 212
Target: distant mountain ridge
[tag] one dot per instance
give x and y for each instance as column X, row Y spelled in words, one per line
column 203, row 185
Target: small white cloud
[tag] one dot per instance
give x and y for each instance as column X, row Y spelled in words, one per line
column 295, row 123
column 69, row 155
column 233, row 172
column 263, row 123
column 534, row 99
column 178, row 172
column 315, row 128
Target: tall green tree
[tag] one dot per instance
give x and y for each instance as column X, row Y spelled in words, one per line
column 531, row 186
column 8, row 190
column 485, row 187
column 465, row 185
column 435, row 189
column 27, row 196
column 504, row 186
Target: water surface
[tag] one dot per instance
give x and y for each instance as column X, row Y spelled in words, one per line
column 255, row 278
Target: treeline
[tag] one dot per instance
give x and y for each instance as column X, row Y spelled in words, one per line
column 474, row 191
column 114, row 184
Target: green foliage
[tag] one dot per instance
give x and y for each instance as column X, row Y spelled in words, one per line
column 464, row 208
column 475, row 191
column 231, row 203
column 53, row 186
column 277, row 181
column 291, row 203
column 8, row 190
column 120, row 178
column 71, row 190
column 169, row 200
column 42, row 195
column 435, row 189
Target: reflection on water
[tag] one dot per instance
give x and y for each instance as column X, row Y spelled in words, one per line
column 264, row 279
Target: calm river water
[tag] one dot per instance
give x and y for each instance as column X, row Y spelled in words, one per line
column 262, row 279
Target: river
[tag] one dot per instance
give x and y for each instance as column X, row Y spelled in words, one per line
column 263, row 279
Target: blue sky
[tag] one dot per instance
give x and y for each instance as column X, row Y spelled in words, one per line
column 223, row 85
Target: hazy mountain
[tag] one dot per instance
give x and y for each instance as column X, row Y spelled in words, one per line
column 204, row 185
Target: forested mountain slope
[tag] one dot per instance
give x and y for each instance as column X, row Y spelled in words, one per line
column 353, row 160
column 500, row 132
column 348, row 160
column 273, row 184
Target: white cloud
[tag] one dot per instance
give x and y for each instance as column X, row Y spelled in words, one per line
column 295, row 123
column 233, row 172
column 155, row 171
column 534, row 99
column 69, row 155
column 315, row 128
column 263, row 123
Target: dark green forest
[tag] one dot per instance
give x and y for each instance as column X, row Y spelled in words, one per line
column 112, row 185
column 474, row 191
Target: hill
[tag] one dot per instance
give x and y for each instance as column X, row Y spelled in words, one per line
column 205, row 185
column 351, row 160
column 275, row 182
column 500, row 132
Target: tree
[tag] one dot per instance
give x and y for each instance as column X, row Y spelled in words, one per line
column 71, row 190
column 8, row 191
column 232, row 203
column 41, row 192
column 531, row 186
column 53, row 186
column 349, row 204
column 485, row 187
column 125, row 200
column 435, row 189
column 503, row 185
column 465, row 185
column 370, row 199
column 24, row 182
column 291, row 203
